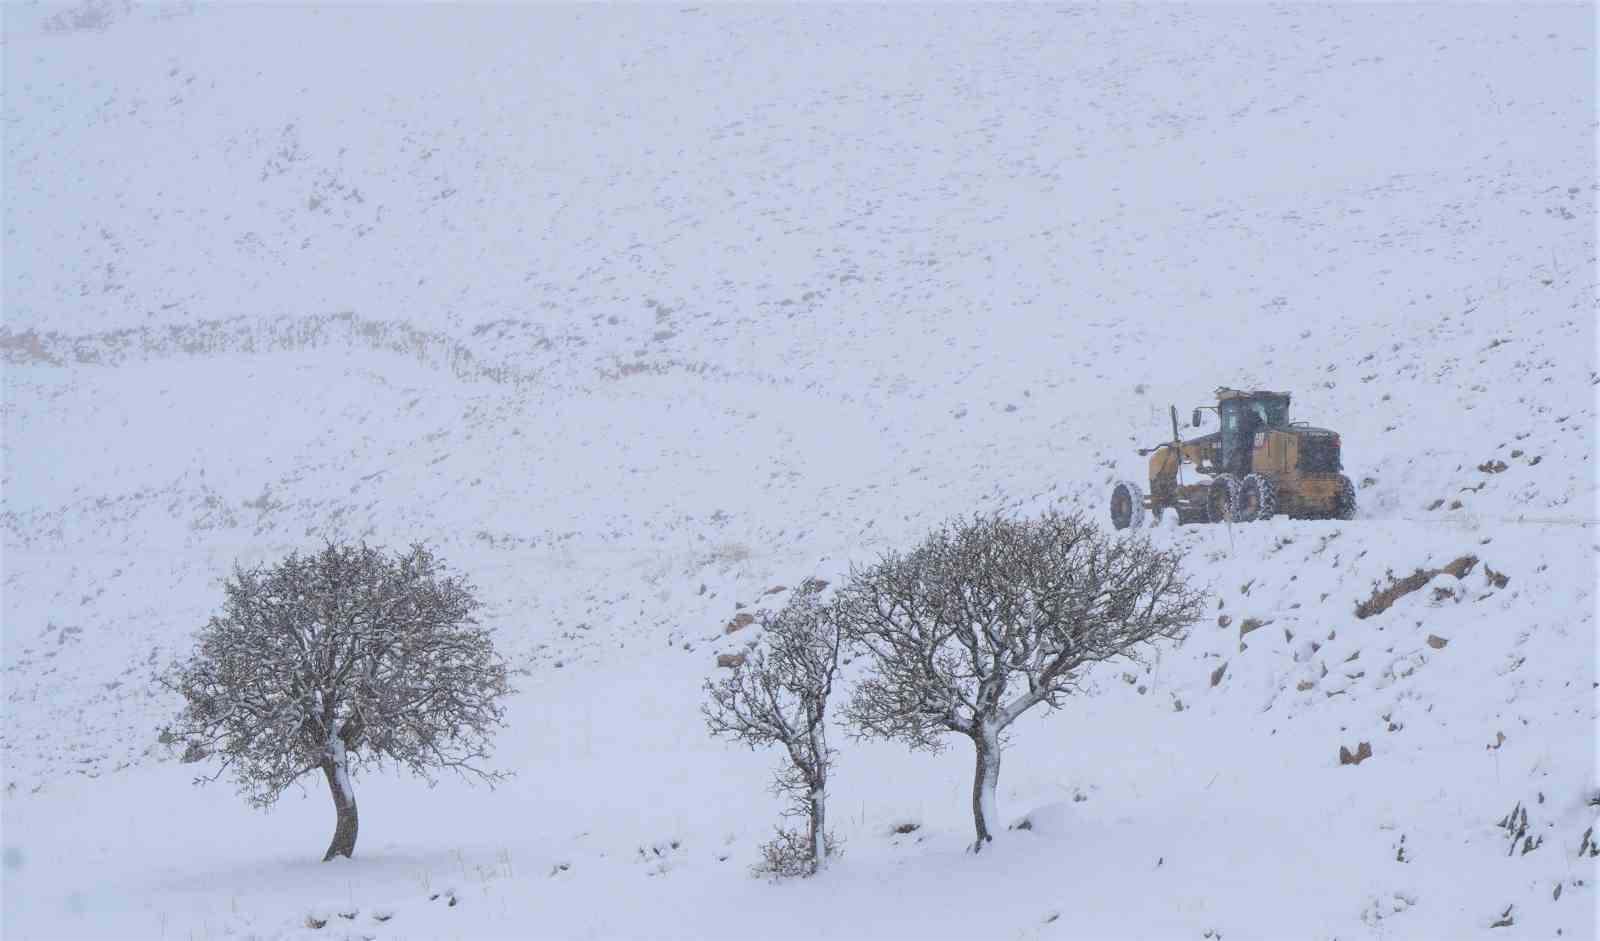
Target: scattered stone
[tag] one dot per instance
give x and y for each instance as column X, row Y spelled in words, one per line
column 1437, row 642
column 740, row 621
column 1495, row 579
column 1383, row 598
column 1223, row 620
column 730, row 660
column 1304, row 685
column 1216, row 675
column 1505, row 920
column 1362, row 753
column 1492, row 467
column 1250, row 624
column 776, row 588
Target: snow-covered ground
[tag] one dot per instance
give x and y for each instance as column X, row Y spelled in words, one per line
column 637, row 312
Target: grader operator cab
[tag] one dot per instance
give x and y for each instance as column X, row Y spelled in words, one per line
column 1259, row 463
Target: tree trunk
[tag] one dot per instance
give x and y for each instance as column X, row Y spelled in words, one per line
column 344, row 805
column 817, row 806
column 986, row 776
column 819, row 821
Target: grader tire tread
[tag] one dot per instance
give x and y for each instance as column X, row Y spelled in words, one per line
column 1257, row 499
column 1344, row 505
column 1222, row 499
column 1127, row 505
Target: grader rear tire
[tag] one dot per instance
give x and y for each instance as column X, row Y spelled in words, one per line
column 1127, row 505
column 1344, row 506
column 1257, row 500
column 1222, row 498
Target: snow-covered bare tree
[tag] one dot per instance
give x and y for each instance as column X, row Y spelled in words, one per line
column 336, row 660
column 779, row 696
column 992, row 616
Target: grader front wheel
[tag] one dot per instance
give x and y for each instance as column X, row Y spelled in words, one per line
column 1127, row 505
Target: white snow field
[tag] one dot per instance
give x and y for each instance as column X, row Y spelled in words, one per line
column 637, row 312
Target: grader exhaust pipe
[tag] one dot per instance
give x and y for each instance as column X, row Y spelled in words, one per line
column 1177, row 445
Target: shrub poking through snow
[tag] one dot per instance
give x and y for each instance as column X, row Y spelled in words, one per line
column 992, row 616
column 1587, row 847
column 1516, row 826
column 790, row 854
column 335, row 660
column 779, row 696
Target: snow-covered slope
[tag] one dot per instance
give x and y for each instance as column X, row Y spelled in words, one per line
column 637, row 313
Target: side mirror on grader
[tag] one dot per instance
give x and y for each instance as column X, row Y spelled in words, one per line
column 1258, row 465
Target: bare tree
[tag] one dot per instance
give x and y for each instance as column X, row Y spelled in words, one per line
column 990, row 617
column 779, row 696
column 336, row 660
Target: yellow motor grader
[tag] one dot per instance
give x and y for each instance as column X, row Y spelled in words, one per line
column 1259, row 464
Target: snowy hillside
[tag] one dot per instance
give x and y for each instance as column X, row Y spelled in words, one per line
column 638, row 313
